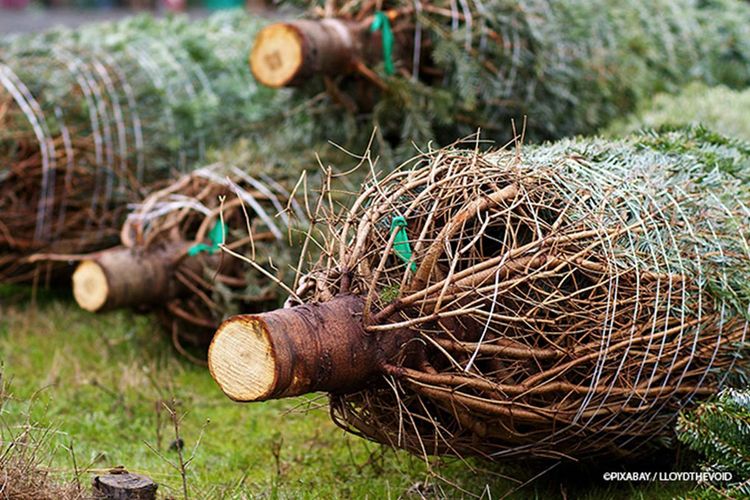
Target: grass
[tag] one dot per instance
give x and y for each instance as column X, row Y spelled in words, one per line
column 99, row 382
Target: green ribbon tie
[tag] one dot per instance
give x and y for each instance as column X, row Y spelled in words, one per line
column 217, row 238
column 382, row 23
column 401, row 242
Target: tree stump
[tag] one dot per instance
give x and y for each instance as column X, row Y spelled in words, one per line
column 124, row 486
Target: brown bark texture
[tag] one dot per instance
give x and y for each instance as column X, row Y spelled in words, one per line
column 122, row 277
column 125, row 486
column 295, row 351
column 289, row 53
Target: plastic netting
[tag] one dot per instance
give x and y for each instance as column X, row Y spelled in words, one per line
column 88, row 118
column 253, row 213
column 561, row 68
column 565, row 300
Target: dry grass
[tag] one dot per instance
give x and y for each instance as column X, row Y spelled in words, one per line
column 24, row 474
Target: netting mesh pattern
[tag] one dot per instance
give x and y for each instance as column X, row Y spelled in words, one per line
column 88, row 118
column 561, row 300
column 221, row 203
column 563, row 68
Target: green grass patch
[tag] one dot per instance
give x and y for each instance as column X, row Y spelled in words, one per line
column 99, row 383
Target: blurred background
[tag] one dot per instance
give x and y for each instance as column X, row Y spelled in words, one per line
column 23, row 16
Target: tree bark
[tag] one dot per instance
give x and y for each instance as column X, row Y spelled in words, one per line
column 288, row 54
column 124, row 486
column 121, row 276
column 295, row 351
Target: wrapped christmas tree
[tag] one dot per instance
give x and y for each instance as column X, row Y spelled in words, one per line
column 440, row 69
column 559, row 301
column 89, row 118
column 170, row 259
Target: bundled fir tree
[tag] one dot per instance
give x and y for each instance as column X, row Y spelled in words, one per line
column 170, row 255
column 89, row 118
column 440, row 69
column 559, row 301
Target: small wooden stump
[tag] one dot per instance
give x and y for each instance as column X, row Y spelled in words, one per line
column 125, row 486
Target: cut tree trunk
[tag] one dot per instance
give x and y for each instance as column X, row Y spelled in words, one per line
column 124, row 486
column 287, row 54
column 121, row 276
column 295, row 351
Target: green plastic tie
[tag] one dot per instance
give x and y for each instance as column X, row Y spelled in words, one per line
column 401, row 242
column 217, row 238
column 382, row 23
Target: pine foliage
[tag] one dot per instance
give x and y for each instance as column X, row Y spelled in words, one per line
column 633, row 264
column 184, row 84
column 91, row 118
column 720, row 108
column 570, row 67
column 720, row 431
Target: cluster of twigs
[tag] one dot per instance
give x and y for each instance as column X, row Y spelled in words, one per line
column 23, row 475
column 38, row 209
column 561, row 301
column 23, row 456
column 192, row 218
column 88, row 118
